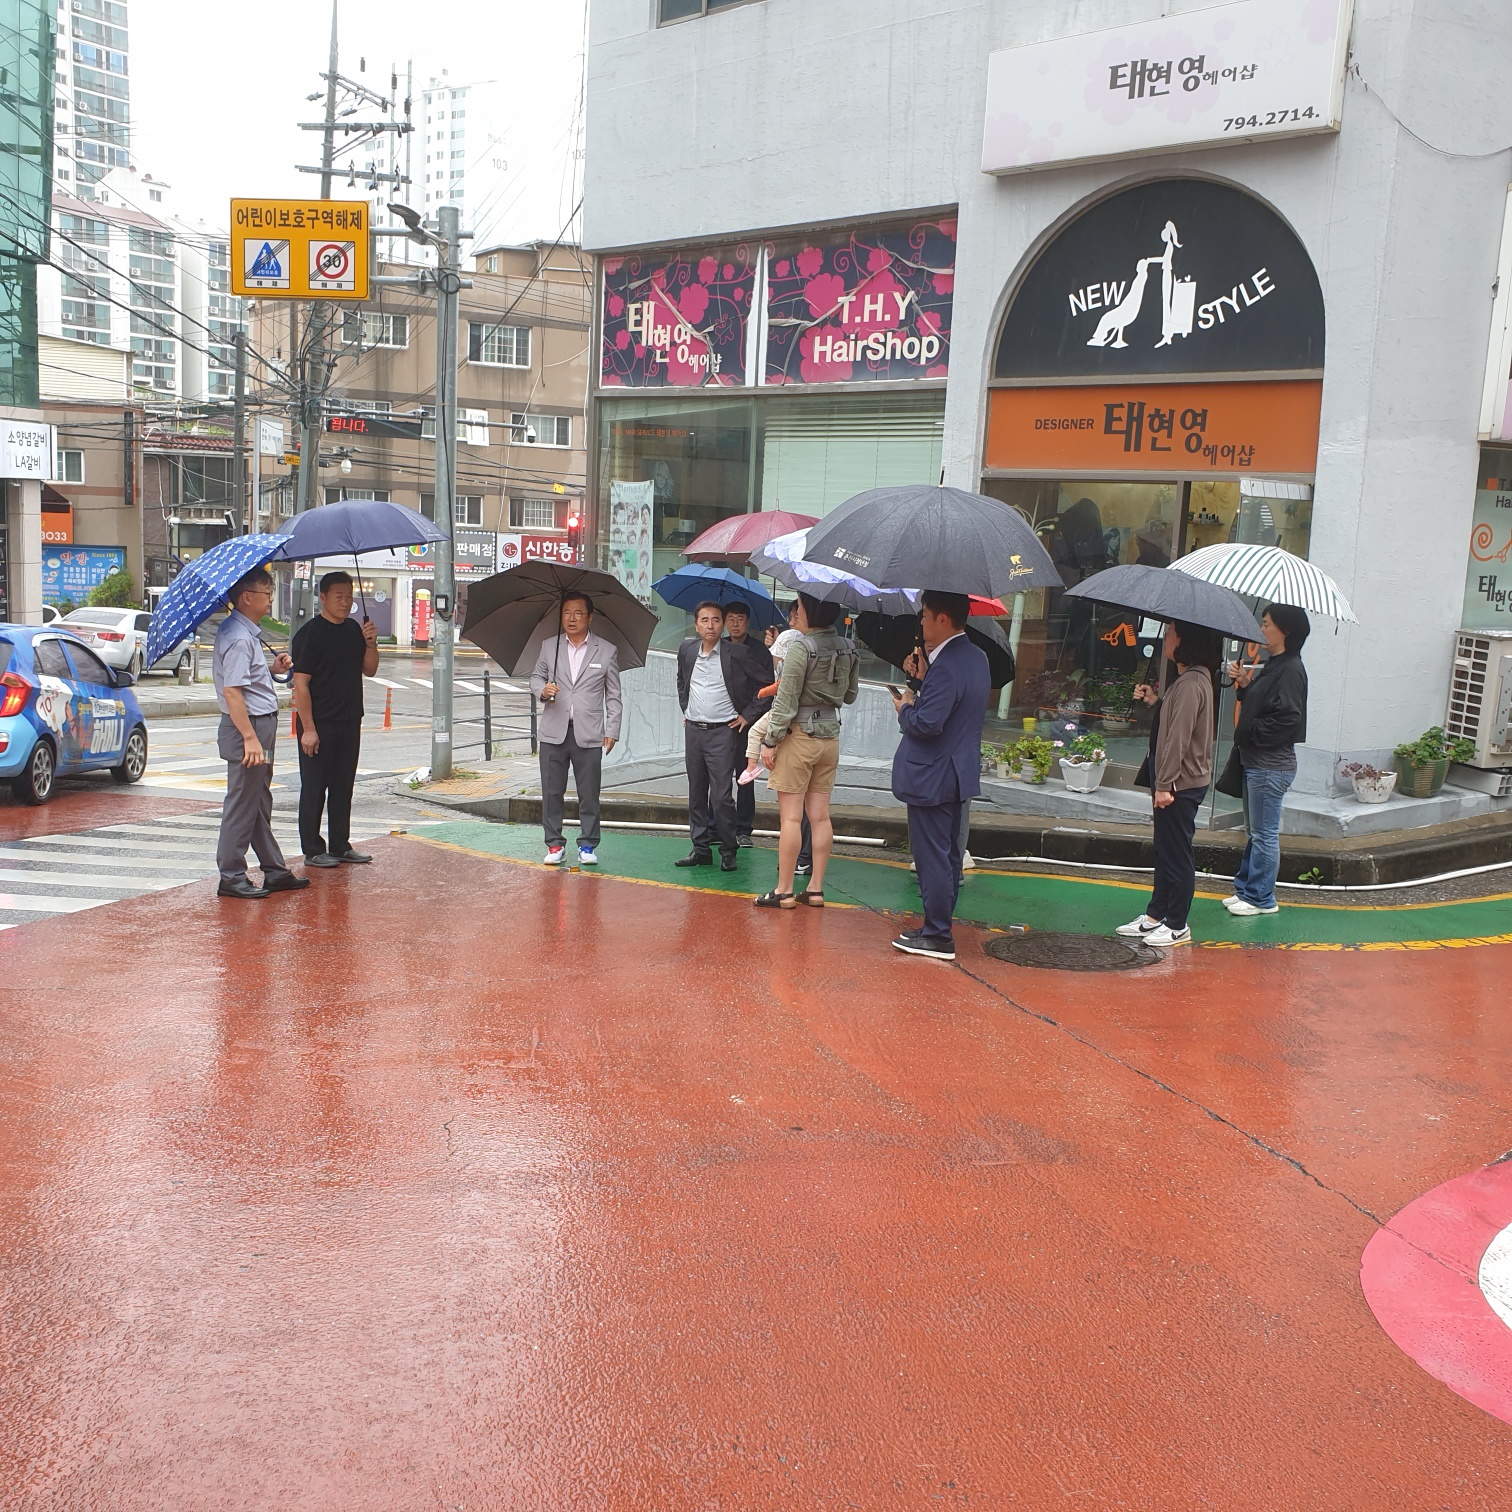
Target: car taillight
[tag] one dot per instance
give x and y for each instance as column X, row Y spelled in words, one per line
column 16, row 691
column 111, row 635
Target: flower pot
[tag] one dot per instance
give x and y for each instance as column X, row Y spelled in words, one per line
column 1004, row 771
column 1423, row 781
column 1082, row 776
column 1373, row 789
column 1113, row 724
column 1028, row 772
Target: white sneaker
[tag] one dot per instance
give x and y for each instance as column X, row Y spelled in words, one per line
column 1232, row 899
column 1242, row 908
column 555, row 855
column 967, row 864
column 1140, row 926
column 587, row 856
column 1166, row 938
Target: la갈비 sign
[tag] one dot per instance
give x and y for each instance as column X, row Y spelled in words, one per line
column 1247, row 71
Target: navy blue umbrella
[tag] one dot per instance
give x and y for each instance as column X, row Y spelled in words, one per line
column 352, row 527
column 690, row 586
column 201, row 589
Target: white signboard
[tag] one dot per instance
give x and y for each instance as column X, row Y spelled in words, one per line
column 1249, row 71
column 26, row 449
column 631, row 506
column 270, row 437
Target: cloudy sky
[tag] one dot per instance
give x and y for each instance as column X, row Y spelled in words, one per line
column 217, row 92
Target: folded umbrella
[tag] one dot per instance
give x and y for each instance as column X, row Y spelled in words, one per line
column 690, row 586
column 1164, row 594
column 917, row 536
column 894, row 636
column 1268, row 573
column 732, row 541
column 511, row 614
column 201, row 589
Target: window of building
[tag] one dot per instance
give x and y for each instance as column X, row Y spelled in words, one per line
column 149, row 243
column 469, row 509
column 540, row 430
column 337, row 495
column 537, row 514
column 201, row 480
column 69, row 466
column 372, row 328
column 498, row 345
column 491, row 264
column 681, row 10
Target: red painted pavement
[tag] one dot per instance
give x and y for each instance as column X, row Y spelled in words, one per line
column 456, row 1184
column 82, row 808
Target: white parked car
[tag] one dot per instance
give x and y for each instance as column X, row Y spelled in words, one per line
column 50, row 615
column 119, row 638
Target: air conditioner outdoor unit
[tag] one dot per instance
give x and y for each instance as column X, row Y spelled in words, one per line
column 1480, row 698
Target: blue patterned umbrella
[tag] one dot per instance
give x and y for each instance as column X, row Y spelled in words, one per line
column 201, row 588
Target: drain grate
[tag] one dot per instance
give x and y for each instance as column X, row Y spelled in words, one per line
column 1053, row 951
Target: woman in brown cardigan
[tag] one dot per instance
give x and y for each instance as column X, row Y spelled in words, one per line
column 1181, row 767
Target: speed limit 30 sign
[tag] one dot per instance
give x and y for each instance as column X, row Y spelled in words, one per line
column 333, row 265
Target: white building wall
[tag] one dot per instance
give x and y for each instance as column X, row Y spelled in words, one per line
column 782, row 113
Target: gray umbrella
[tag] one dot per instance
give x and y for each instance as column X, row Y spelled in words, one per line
column 510, row 614
column 919, row 536
column 1163, row 594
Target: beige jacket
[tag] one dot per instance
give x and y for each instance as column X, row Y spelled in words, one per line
column 1184, row 747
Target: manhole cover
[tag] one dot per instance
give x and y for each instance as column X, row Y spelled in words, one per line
column 1070, row 952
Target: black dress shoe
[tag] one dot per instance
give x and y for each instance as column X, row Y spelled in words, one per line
column 727, row 863
column 240, row 889
column 696, row 858
column 286, row 883
column 745, row 842
column 354, row 858
column 323, row 858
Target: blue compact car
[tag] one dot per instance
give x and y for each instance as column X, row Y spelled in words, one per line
column 63, row 711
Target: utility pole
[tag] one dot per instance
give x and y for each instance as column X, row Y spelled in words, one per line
column 448, row 285
column 239, row 436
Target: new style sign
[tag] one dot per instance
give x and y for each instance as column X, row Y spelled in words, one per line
column 1171, row 429
column 1249, row 71
column 299, row 249
column 1177, row 276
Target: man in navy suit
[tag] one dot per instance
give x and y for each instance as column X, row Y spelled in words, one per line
column 938, row 764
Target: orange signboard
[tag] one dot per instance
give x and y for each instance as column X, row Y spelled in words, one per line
column 57, row 525
column 1174, row 429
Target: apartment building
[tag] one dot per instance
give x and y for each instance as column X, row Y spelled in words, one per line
column 92, row 115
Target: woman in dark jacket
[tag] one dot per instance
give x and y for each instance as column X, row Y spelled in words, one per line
column 1272, row 723
column 1181, row 767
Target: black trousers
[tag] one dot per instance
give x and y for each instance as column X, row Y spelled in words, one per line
column 325, row 783
column 1176, row 858
column 711, row 753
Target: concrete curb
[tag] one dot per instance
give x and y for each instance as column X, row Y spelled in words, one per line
column 1400, row 856
column 181, row 703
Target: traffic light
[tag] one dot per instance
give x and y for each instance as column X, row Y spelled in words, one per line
column 575, row 535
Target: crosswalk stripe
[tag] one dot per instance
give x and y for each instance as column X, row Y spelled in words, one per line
column 424, row 682
column 187, row 766
column 109, row 842
column 126, row 863
column 383, row 682
column 25, row 903
column 67, row 879
column 471, row 687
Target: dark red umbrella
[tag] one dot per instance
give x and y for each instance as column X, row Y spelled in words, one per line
column 732, row 541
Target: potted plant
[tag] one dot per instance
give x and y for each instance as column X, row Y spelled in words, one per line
column 1423, row 764
column 1371, row 784
column 1032, row 756
column 1112, row 697
column 1083, row 763
column 996, row 761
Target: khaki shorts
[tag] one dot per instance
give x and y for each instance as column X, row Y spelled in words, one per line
column 804, row 765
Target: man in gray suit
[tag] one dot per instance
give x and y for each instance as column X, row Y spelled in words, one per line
column 576, row 678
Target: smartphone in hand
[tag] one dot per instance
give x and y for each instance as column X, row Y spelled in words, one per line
column 896, row 692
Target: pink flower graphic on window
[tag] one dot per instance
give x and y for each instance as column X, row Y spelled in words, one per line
column 737, row 294
column 948, row 228
column 944, row 283
column 612, row 265
column 659, row 277
column 880, row 304
column 693, row 302
column 810, row 260
column 827, row 368
column 823, row 292
column 929, row 323
column 880, row 258
column 622, row 340
column 616, row 306
column 783, row 268
column 729, row 270
column 707, row 268
column 689, row 373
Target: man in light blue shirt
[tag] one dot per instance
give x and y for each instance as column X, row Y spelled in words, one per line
column 248, row 729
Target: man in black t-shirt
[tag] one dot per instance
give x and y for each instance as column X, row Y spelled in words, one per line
column 332, row 654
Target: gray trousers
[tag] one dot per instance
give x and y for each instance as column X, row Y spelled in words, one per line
column 247, row 814
column 587, row 764
column 711, row 752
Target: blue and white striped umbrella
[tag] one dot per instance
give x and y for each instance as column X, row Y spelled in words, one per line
column 1270, row 574
column 201, row 587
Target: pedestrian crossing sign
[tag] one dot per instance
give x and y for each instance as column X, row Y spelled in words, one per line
column 300, row 249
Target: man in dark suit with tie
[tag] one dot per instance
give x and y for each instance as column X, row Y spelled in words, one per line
column 938, row 764
column 717, row 690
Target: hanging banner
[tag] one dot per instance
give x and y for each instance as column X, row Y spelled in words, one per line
column 677, row 320
column 867, row 304
column 630, row 510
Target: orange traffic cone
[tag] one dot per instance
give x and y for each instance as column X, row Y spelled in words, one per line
column 388, row 710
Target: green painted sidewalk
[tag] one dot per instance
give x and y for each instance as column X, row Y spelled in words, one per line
column 998, row 899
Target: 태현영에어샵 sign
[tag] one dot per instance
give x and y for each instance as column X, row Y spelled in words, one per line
column 1248, row 71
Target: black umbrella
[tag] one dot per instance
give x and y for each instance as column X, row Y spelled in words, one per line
column 894, row 636
column 943, row 538
column 1163, row 594
column 510, row 614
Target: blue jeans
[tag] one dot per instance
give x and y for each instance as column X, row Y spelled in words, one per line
column 1255, row 881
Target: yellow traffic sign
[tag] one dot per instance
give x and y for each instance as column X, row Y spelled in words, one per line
column 299, row 249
